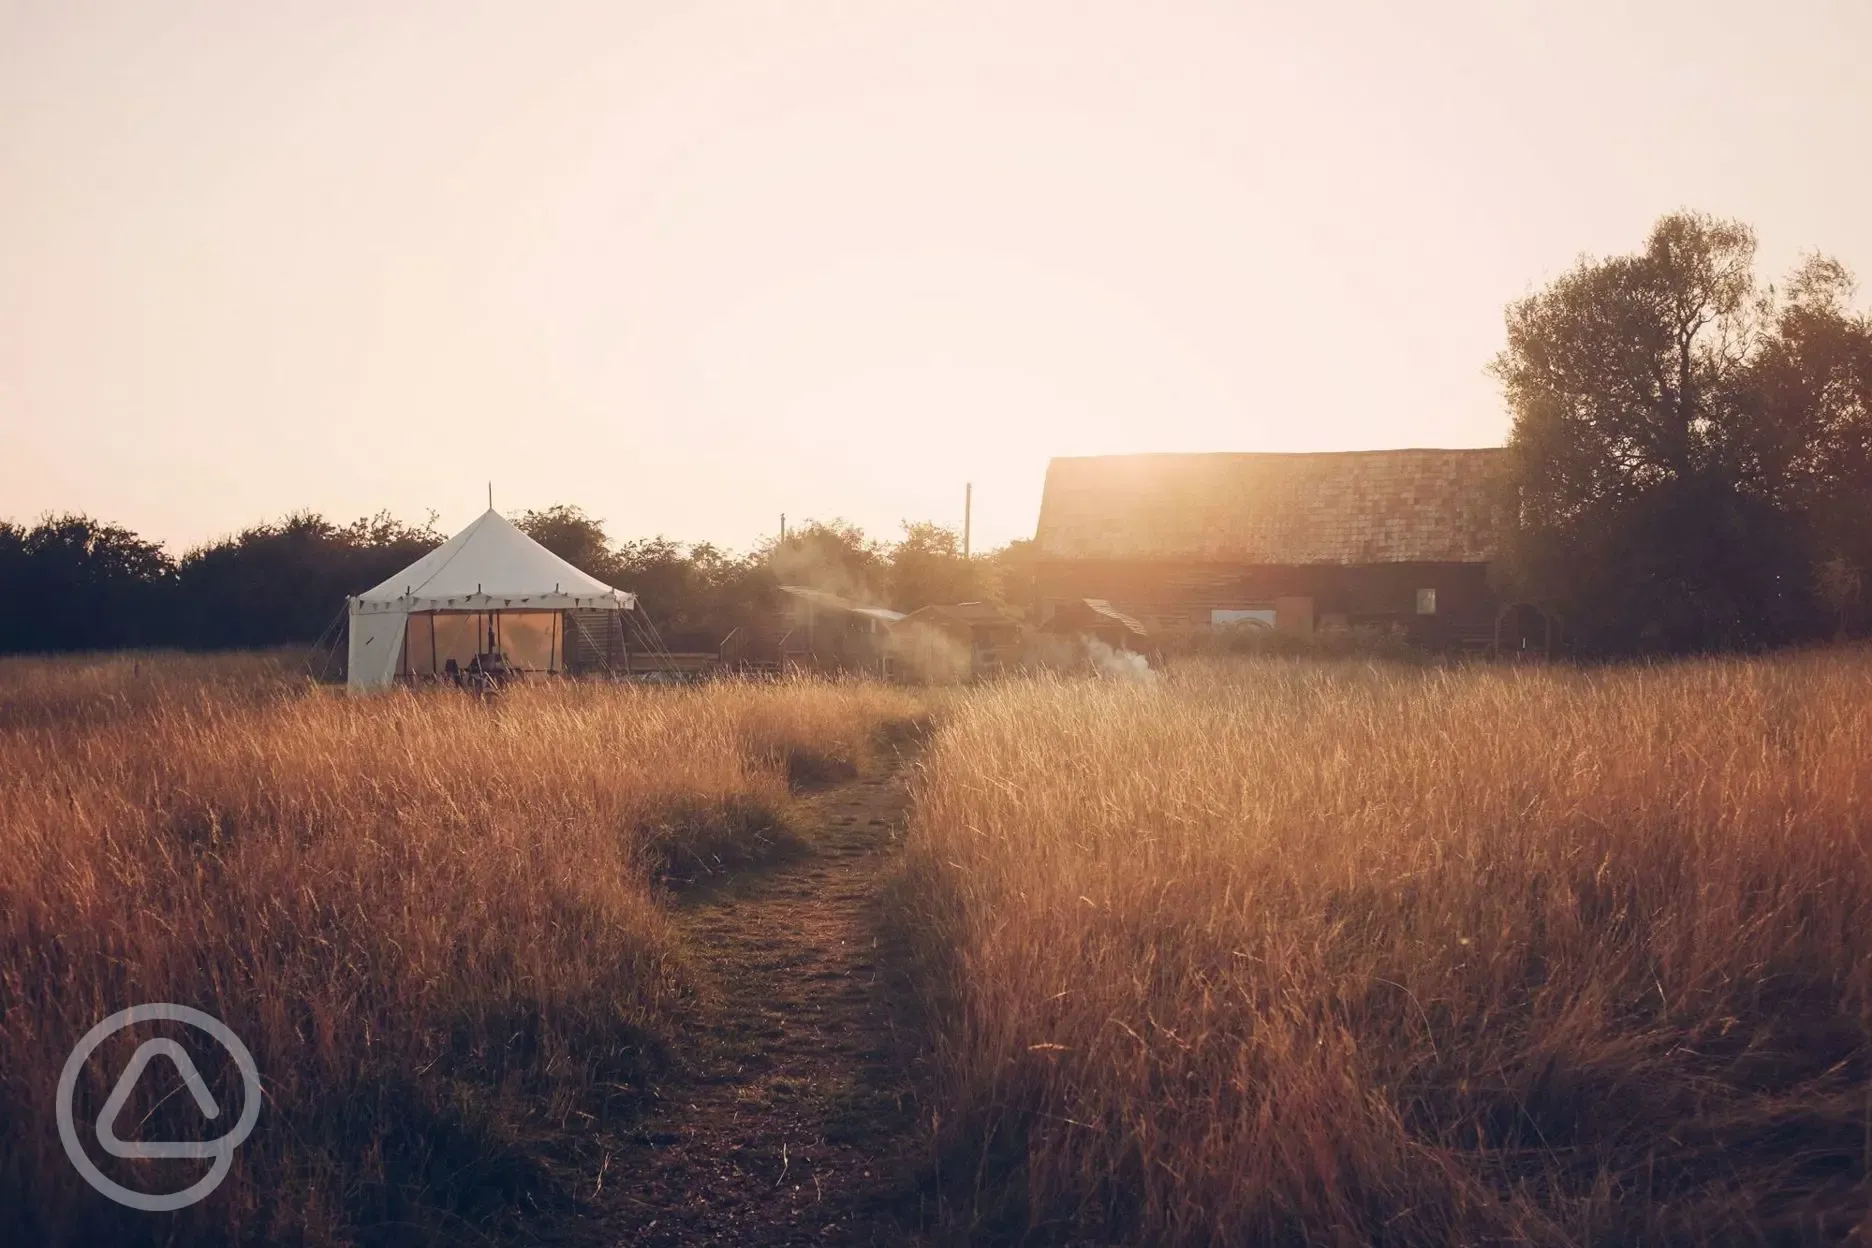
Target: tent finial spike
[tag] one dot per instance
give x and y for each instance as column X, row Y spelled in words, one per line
column 490, row 496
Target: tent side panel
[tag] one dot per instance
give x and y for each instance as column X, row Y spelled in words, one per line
column 376, row 649
column 419, row 659
column 594, row 641
column 527, row 638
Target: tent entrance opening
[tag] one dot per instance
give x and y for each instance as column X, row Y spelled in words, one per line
column 516, row 641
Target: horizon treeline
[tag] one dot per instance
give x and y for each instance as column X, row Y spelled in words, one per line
column 1690, row 453
column 73, row 582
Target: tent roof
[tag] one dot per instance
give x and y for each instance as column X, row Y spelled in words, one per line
column 491, row 565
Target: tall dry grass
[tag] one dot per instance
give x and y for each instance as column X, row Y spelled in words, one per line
column 68, row 694
column 433, row 921
column 1344, row 953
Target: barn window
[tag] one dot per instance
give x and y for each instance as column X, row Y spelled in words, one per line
column 1426, row 602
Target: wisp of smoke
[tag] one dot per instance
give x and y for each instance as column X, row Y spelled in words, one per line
column 928, row 654
column 1119, row 664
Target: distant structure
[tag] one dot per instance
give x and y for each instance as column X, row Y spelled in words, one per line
column 1395, row 540
column 1097, row 619
column 490, row 598
column 986, row 640
column 819, row 631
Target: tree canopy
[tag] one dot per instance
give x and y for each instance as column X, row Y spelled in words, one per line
column 1691, row 448
column 72, row 582
column 575, row 537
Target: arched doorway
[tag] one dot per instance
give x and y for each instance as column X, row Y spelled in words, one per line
column 1525, row 630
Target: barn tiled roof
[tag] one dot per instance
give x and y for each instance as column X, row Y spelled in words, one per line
column 1346, row 507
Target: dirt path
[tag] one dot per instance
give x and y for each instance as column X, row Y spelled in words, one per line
column 798, row 1125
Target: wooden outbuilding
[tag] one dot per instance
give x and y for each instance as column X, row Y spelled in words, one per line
column 825, row 632
column 989, row 637
column 1097, row 619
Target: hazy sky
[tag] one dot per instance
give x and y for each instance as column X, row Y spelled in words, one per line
column 692, row 265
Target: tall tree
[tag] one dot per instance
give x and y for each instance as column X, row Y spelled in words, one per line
column 927, row 567
column 1809, row 391
column 832, row 555
column 575, row 537
column 1676, row 433
column 75, row 583
column 271, row 584
column 1014, row 568
column 697, row 594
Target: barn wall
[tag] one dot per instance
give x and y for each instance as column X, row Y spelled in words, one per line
column 1175, row 597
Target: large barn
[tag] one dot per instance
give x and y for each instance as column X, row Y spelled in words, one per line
column 1399, row 540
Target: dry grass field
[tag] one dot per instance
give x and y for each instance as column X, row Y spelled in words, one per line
column 434, row 922
column 1265, row 951
column 1339, row 953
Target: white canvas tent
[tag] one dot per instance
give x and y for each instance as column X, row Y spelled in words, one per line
column 488, row 587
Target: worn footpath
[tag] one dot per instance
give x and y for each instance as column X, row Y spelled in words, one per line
column 796, row 1123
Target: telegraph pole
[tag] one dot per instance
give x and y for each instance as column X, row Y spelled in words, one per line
column 968, row 508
